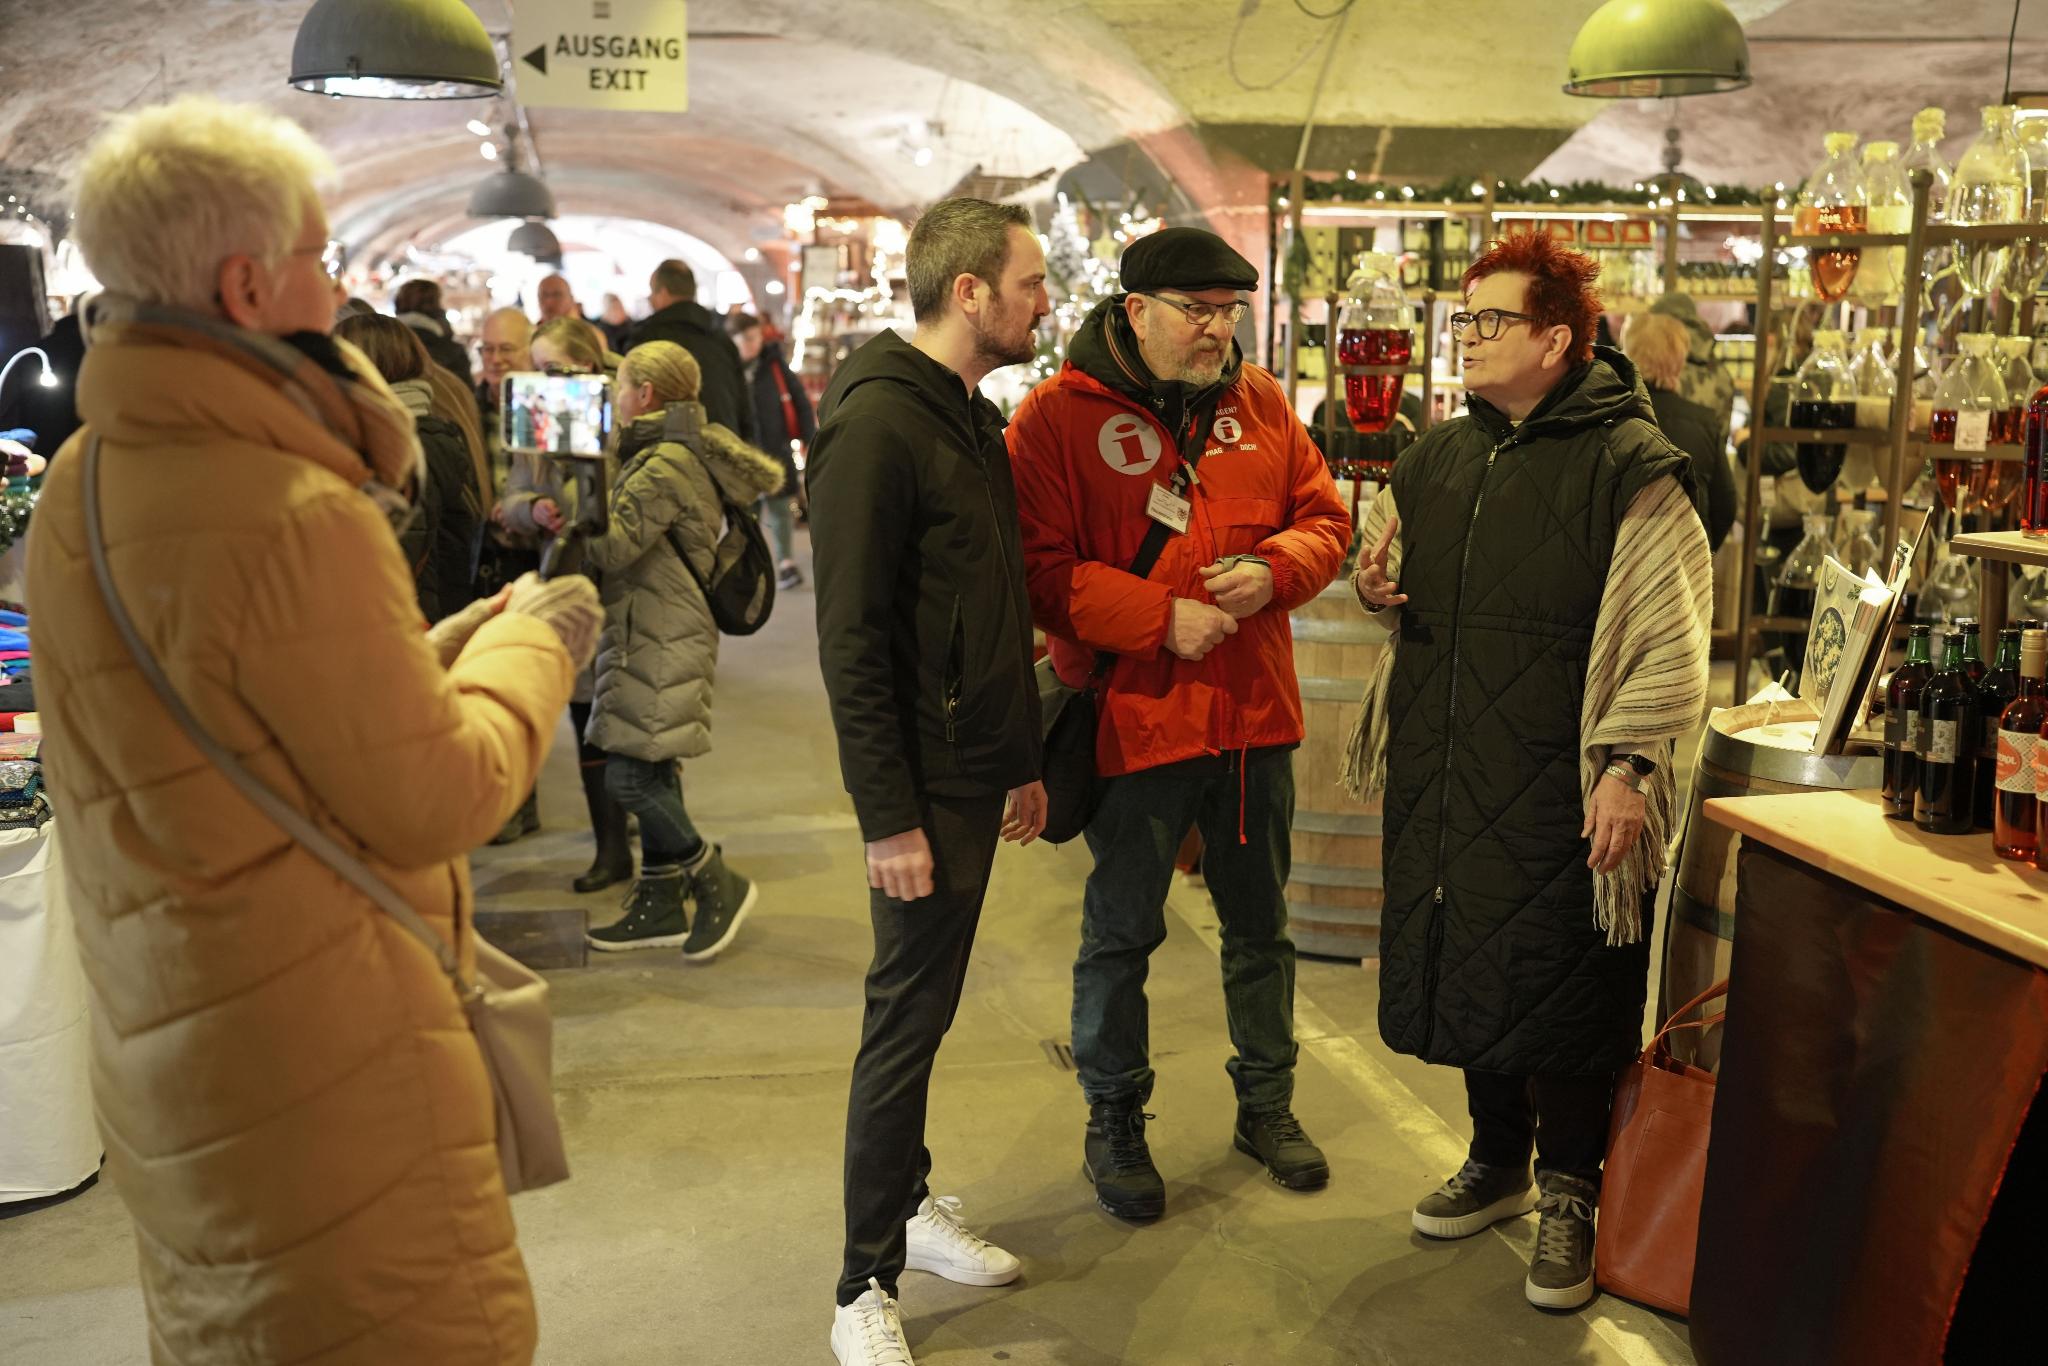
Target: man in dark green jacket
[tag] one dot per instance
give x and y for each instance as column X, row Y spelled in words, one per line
column 924, row 635
column 1554, row 592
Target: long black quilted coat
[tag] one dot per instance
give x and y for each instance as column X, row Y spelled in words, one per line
column 1490, row 958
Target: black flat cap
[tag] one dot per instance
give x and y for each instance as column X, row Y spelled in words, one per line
column 1184, row 258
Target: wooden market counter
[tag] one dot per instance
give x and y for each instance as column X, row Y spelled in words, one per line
column 1878, row 1172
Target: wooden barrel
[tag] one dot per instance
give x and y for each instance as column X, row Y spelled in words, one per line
column 1747, row 751
column 1333, row 896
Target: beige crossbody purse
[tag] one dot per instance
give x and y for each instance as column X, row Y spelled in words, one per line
column 507, row 1004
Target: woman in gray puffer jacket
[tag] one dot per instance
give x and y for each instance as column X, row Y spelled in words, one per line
column 655, row 661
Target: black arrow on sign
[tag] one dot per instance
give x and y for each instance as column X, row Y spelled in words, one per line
column 538, row 59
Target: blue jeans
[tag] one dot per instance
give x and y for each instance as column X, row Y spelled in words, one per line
column 654, row 793
column 1135, row 834
column 778, row 518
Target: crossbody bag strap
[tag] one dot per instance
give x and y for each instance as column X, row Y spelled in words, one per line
column 291, row 821
column 1154, row 544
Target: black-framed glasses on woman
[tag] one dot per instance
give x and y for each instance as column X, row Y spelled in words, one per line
column 1490, row 321
column 1200, row 314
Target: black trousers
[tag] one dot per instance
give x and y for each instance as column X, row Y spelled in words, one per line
column 1563, row 1118
column 913, row 990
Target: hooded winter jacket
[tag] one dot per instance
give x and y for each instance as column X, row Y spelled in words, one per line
column 1089, row 447
column 294, row 1109
column 659, row 651
column 1490, row 954
column 924, row 630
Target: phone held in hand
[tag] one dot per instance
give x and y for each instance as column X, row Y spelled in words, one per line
column 559, row 416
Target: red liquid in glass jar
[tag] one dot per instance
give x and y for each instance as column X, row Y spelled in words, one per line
column 2002, row 480
column 1833, row 271
column 1373, row 400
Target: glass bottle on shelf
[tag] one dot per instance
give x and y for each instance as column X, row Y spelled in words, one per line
column 1375, row 327
column 1874, row 375
column 2027, row 270
column 1995, row 691
column 1930, row 125
column 2034, row 465
column 1948, row 746
column 2015, row 828
column 1990, row 186
column 1890, row 210
column 1834, row 199
column 1902, row 725
column 1857, row 545
column 1966, row 402
column 1823, row 395
column 2010, row 429
column 1793, row 592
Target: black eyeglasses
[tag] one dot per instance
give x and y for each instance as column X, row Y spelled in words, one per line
column 1200, row 314
column 1489, row 320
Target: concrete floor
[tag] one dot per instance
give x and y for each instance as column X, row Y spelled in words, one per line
column 705, row 1109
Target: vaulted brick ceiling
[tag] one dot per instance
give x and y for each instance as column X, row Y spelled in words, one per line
column 790, row 97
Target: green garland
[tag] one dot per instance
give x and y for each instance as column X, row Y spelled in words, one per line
column 1458, row 190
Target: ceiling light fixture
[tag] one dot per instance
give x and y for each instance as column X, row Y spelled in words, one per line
column 512, row 194
column 537, row 240
column 1646, row 49
column 395, row 50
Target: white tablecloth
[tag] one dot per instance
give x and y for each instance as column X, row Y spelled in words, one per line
column 48, row 1141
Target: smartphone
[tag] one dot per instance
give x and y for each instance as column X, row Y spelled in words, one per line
column 568, row 416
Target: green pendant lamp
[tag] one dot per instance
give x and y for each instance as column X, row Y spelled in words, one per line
column 395, row 50
column 1651, row 49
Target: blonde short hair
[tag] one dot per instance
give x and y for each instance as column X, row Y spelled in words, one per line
column 672, row 371
column 1659, row 346
column 575, row 338
column 167, row 193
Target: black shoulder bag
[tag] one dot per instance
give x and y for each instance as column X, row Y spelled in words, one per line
column 1072, row 787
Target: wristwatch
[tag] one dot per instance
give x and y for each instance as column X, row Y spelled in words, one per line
column 1632, row 769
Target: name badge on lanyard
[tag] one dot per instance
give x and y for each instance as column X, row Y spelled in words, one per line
column 1168, row 508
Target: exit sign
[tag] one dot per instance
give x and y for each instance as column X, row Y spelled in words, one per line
column 628, row 55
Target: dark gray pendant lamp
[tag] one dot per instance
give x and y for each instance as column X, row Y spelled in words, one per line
column 395, row 50
column 1647, row 49
column 537, row 240
column 511, row 194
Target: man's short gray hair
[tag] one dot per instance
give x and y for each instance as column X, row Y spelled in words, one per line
column 958, row 237
column 167, row 193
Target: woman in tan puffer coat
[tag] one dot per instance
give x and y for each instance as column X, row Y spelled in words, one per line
column 294, row 1109
column 659, row 651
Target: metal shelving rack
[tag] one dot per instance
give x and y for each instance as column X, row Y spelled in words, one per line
column 1898, row 436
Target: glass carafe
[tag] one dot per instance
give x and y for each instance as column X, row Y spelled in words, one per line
column 2027, row 269
column 1968, row 401
column 1990, row 186
column 1792, row 595
column 1879, row 279
column 1375, row 327
column 1874, row 372
column 2018, row 374
column 1823, row 395
column 1856, row 542
column 1834, row 199
column 1930, row 125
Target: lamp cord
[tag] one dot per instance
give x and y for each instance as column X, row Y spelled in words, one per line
column 2010, row 39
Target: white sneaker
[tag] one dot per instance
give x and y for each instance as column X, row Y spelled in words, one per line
column 936, row 1241
column 869, row 1332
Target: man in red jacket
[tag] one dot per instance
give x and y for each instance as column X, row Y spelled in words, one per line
column 1156, row 419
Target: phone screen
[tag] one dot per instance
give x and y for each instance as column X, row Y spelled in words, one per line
column 564, row 415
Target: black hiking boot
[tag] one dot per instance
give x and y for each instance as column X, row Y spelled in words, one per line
column 723, row 899
column 1274, row 1136
column 1118, row 1160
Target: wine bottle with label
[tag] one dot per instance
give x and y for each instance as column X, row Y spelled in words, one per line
column 1902, row 725
column 1995, row 692
column 2016, row 820
column 1948, row 746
